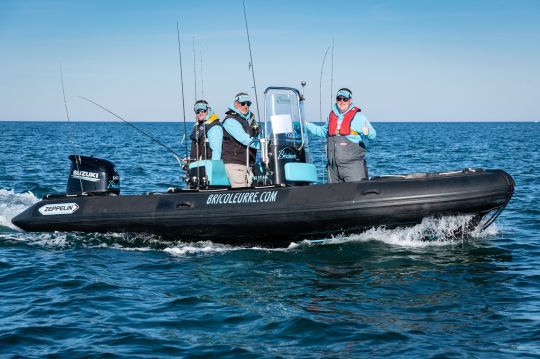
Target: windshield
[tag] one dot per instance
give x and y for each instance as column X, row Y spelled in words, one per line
column 283, row 120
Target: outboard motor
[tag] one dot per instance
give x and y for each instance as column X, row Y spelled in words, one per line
column 92, row 175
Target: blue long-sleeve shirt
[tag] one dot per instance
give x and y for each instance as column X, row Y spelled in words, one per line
column 215, row 140
column 235, row 129
column 357, row 125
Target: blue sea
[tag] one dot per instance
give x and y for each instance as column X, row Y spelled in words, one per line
column 382, row 293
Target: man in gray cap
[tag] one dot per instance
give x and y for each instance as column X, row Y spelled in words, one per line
column 346, row 130
column 239, row 131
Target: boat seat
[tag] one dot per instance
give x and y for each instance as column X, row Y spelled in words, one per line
column 215, row 171
column 300, row 172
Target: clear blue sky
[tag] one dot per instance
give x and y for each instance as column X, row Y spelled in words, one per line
column 404, row 60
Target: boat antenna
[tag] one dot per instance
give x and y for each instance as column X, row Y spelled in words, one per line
column 194, row 69
column 251, row 64
column 183, row 100
column 332, row 76
column 320, row 83
column 176, row 155
column 70, row 129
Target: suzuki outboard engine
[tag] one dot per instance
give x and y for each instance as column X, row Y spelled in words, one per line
column 92, row 175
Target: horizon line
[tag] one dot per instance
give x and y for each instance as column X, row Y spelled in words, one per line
column 191, row 121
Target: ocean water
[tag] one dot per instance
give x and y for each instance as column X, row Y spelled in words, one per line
column 378, row 294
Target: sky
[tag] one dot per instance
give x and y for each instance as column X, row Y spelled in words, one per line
column 414, row 60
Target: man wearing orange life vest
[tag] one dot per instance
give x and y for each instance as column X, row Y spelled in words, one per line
column 346, row 131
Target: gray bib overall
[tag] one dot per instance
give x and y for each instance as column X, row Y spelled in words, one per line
column 346, row 160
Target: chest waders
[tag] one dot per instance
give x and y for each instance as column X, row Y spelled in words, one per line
column 346, row 160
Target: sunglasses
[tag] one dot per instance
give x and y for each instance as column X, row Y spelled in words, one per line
column 199, row 111
column 343, row 99
column 246, row 103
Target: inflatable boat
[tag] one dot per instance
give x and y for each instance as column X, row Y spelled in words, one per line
column 284, row 204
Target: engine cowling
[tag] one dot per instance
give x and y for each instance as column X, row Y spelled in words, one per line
column 92, row 175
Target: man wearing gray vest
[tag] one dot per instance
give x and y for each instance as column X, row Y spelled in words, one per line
column 239, row 131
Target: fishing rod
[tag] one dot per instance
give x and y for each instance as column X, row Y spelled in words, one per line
column 194, row 70
column 197, row 129
column 251, row 65
column 320, row 83
column 206, row 141
column 176, row 155
column 66, row 107
column 182, row 83
column 70, row 130
column 202, row 80
column 187, row 155
column 320, row 106
column 332, row 77
column 202, row 98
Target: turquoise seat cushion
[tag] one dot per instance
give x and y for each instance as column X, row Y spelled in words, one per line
column 215, row 170
column 300, row 172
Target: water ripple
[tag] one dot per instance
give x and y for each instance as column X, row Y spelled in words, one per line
column 423, row 291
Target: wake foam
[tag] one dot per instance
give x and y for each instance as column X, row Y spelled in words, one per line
column 121, row 241
column 445, row 231
column 442, row 231
column 68, row 240
column 11, row 204
column 182, row 249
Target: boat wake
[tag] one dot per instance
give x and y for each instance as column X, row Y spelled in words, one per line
column 11, row 204
column 442, row 231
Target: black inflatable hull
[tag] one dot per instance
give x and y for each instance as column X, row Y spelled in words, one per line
column 275, row 216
